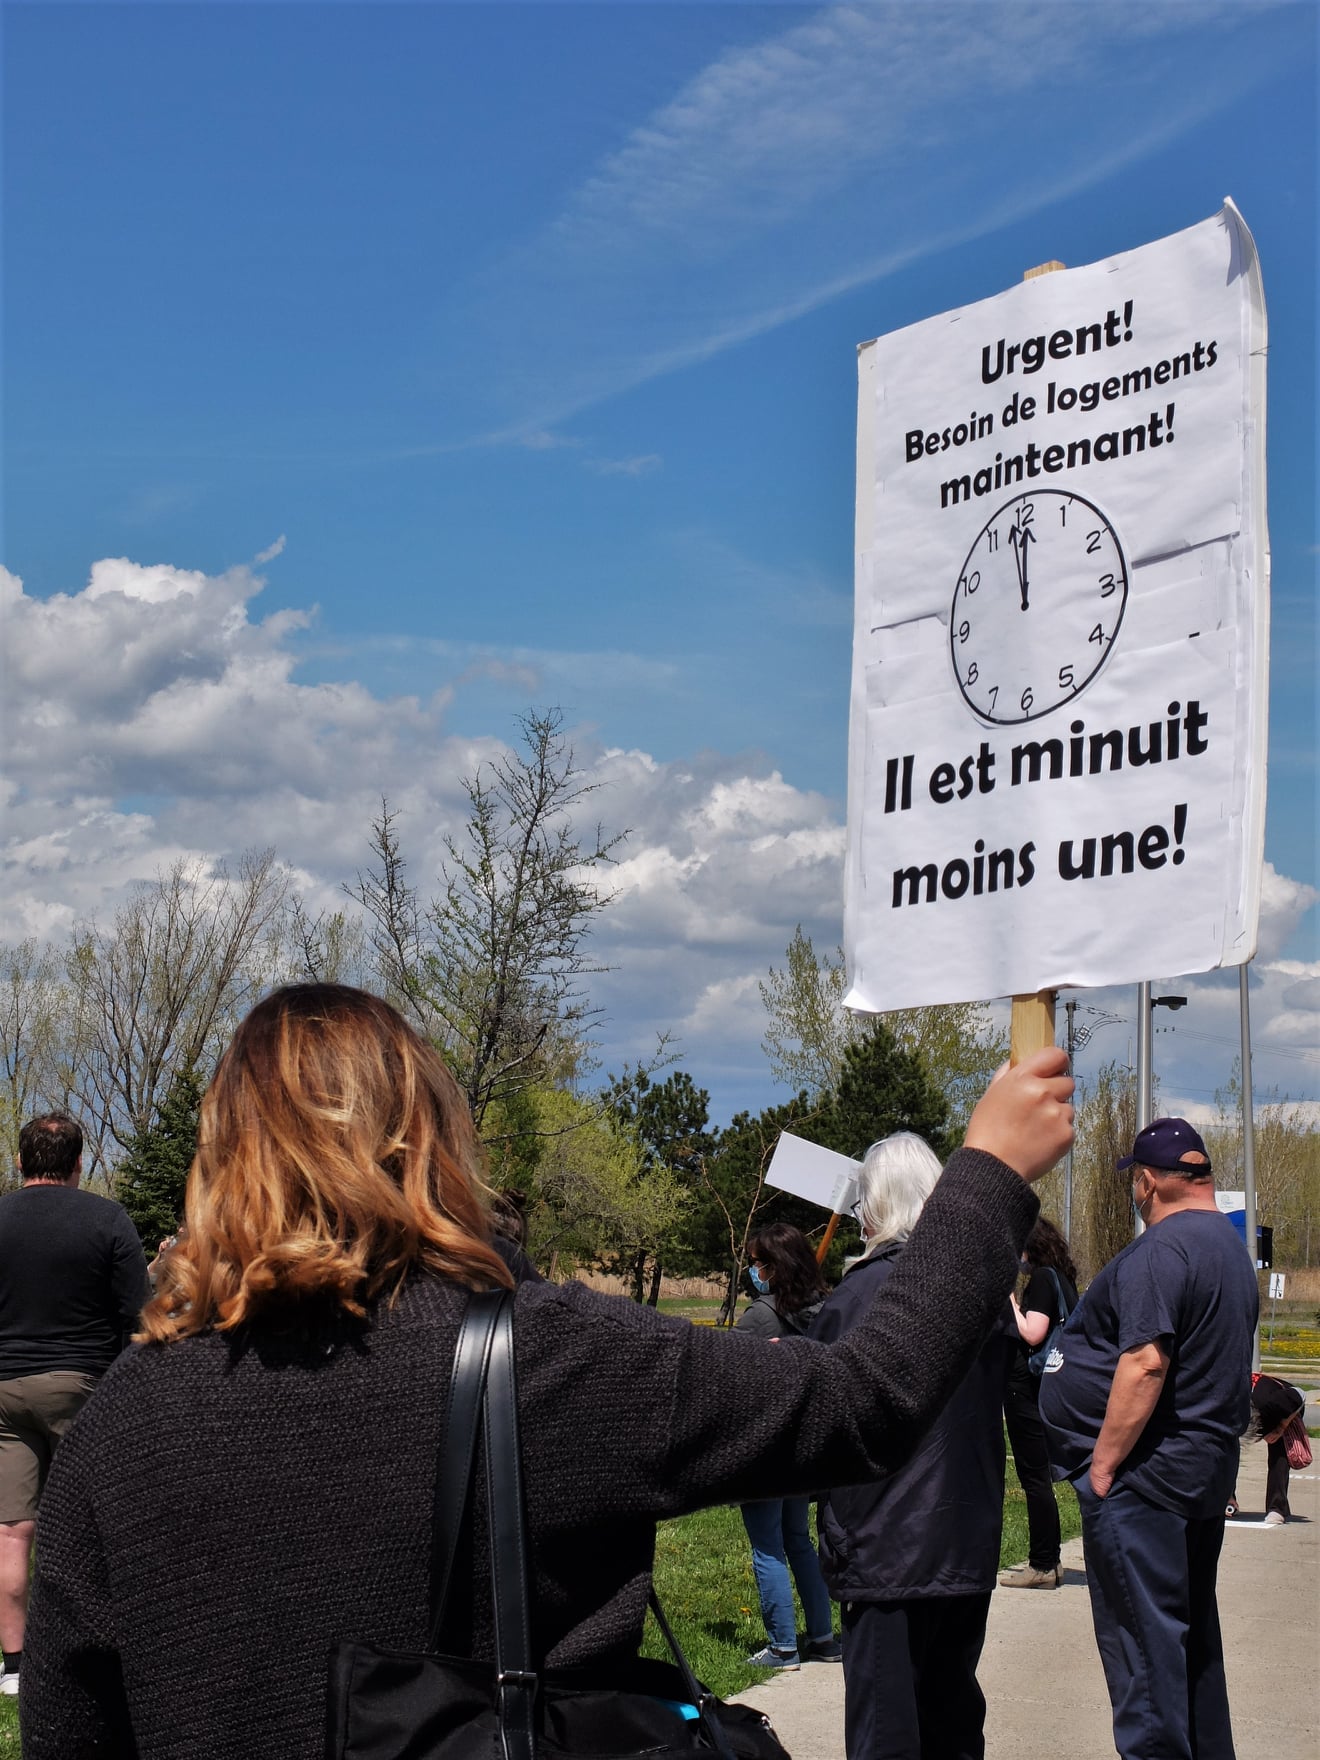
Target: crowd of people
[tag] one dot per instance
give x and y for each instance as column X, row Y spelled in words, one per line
column 253, row 1482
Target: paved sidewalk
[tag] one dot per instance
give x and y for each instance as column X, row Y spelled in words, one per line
column 1042, row 1677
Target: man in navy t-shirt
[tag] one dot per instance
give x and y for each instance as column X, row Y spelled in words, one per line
column 1144, row 1415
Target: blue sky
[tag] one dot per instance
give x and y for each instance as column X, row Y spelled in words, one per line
column 530, row 331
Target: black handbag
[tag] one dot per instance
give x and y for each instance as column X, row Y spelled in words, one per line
column 408, row 1705
column 1038, row 1361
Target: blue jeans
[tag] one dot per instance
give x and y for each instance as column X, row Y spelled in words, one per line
column 780, row 1537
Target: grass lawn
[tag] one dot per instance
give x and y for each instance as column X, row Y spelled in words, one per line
column 703, row 1573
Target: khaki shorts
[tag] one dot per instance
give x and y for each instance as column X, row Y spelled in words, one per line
column 35, row 1411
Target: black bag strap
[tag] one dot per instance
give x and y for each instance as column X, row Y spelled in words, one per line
column 515, row 1675
column 483, row 1386
column 458, row 1444
column 1059, row 1297
column 704, row 1701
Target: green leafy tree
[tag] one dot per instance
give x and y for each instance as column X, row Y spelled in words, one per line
column 808, row 1029
column 809, row 1032
column 512, row 1136
column 595, row 1198
column 153, row 1174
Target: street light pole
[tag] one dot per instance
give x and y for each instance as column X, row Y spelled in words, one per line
column 1144, row 1071
column 1146, row 1006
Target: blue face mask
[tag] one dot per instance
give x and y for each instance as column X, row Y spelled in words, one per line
column 759, row 1283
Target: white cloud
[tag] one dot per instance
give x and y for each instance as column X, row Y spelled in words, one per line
column 156, row 715
column 644, row 465
column 272, row 550
column 156, row 584
column 730, row 1008
column 542, row 440
column 1305, row 994
column 1283, row 904
column 1206, row 1117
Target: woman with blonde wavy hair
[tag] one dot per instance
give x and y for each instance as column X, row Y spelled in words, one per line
column 253, row 1482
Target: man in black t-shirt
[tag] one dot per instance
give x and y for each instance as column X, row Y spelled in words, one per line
column 73, row 1279
column 1143, row 1414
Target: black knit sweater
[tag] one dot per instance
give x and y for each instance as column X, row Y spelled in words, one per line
column 220, row 1515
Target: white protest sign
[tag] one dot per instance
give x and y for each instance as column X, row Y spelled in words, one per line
column 819, row 1175
column 1057, row 741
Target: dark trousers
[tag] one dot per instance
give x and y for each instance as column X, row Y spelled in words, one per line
column 1276, row 1478
column 1151, row 1574
column 1026, row 1435
column 909, row 1673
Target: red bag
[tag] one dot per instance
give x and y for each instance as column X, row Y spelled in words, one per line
column 1297, row 1443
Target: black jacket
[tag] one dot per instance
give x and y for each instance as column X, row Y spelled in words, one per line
column 931, row 1528
column 226, row 1509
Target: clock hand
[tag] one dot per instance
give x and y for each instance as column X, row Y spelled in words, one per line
column 1020, row 537
column 1028, row 537
column 1017, row 538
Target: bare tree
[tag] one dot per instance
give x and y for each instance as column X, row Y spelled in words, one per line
column 166, row 983
column 1287, row 1165
column 330, row 948
column 492, row 968
column 398, row 943
column 31, row 1025
column 1106, row 1125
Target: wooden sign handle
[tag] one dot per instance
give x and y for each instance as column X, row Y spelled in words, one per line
column 826, row 1238
column 1032, row 1025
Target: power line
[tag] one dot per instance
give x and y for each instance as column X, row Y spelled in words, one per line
column 1257, row 1049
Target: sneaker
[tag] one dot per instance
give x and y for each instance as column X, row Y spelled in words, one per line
column 1272, row 1520
column 770, row 1657
column 8, row 1683
column 1026, row 1576
column 823, row 1650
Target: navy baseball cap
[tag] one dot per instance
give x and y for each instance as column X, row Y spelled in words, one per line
column 1165, row 1144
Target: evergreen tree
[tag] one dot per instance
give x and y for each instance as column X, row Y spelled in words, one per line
column 736, row 1199
column 670, row 1121
column 151, row 1178
column 883, row 1089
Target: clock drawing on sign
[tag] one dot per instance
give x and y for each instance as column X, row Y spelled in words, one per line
column 1037, row 607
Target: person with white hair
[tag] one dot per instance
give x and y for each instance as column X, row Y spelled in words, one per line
column 912, row 1556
